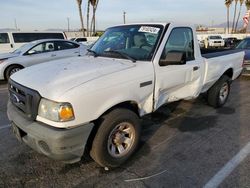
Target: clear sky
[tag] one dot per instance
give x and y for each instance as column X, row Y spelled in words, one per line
column 50, row 14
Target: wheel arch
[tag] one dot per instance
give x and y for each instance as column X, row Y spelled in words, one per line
column 229, row 72
column 130, row 105
column 10, row 65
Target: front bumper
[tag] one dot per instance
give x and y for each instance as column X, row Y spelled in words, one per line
column 66, row 145
column 216, row 44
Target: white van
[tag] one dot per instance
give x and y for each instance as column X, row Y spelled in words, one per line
column 10, row 41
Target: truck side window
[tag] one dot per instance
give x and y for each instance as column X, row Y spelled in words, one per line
column 180, row 40
column 4, row 38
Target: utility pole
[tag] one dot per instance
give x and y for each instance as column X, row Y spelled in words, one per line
column 15, row 24
column 68, row 23
column 212, row 23
column 124, row 17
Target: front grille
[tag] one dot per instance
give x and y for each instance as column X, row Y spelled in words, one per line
column 217, row 41
column 24, row 99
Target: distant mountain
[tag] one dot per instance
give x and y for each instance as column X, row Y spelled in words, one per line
column 224, row 25
column 55, row 29
column 7, row 29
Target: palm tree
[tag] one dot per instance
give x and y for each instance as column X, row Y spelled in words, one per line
column 228, row 4
column 79, row 3
column 236, row 25
column 94, row 4
column 235, row 9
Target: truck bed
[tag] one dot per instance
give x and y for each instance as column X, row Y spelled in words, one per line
column 212, row 53
column 217, row 63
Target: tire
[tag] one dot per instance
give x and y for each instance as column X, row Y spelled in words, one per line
column 219, row 92
column 11, row 70
column 109, row 148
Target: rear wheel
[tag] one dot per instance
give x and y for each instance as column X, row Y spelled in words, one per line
column 219, row 92
column 116, row 139
column 11, row 70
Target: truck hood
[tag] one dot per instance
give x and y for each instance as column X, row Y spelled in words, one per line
column 52, row 79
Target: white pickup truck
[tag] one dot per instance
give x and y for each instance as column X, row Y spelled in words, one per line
column 62, row 107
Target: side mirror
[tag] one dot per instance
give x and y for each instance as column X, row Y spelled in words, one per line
column 31, row 52
column 174, row 58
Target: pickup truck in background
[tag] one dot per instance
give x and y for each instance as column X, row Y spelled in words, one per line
column 214, row 41
column 93, row 104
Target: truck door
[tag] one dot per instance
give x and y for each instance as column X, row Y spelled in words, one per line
column 177, row 69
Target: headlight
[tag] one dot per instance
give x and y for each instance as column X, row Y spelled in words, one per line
column 55, row 111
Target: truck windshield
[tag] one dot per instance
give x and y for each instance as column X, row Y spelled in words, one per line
column 134, row 42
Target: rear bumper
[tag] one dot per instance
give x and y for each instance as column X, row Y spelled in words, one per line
column 66, row 145
column 246, row 70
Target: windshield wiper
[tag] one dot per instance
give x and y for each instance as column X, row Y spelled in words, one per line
column 122, row 54
column 92, row 51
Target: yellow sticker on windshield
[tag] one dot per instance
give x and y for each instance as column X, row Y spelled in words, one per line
column 148, row 29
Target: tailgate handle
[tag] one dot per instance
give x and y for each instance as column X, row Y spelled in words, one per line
column 196, row 68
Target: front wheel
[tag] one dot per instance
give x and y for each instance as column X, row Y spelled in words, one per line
column 117, row 138
column 219, row 92
column 11, row 70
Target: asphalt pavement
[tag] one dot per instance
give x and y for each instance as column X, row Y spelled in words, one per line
column 194, row 146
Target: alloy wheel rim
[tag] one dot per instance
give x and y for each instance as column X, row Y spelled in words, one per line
column 121, row 139
column 14, row 71
column 224, row 92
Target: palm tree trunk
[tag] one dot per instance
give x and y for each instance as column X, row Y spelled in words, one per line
column 88, row 9
column 235, row 8
column 227, row 20
column 236, row 25
column 81, row 17
column 93, row 22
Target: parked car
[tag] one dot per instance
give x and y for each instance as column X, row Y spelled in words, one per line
column 84, row 40
column 245, row 45
column 231, row 42
column 38, row 52
column 96, row 101
column 10, row 41
column 215, row 41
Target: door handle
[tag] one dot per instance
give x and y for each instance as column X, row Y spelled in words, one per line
column 196, row 68
column 53, row 55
